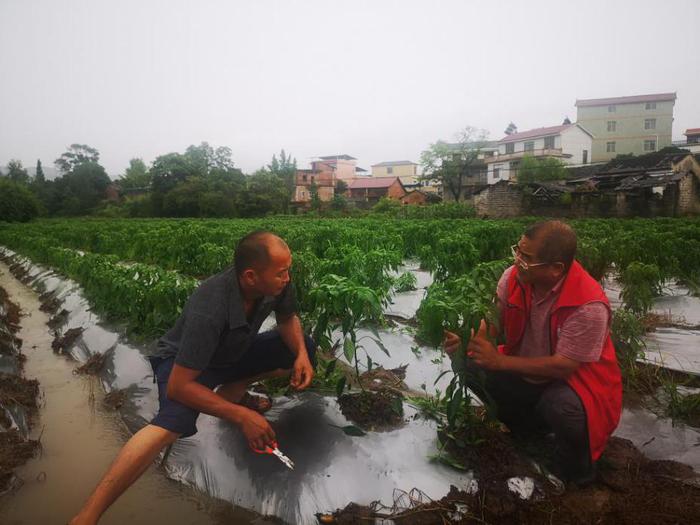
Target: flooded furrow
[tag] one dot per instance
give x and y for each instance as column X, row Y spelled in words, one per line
column 79, row 438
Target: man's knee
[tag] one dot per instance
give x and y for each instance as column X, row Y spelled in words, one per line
column 561, row 408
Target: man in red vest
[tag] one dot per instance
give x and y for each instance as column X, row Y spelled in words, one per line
column 557, row 371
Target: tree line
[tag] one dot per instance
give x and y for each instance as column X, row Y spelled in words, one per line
column 200, row 182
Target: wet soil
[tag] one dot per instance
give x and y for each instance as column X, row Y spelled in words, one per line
column 630, row 489
column 61, row 343
column 79, row 439
column 14, row 452
column 115, row 399
column 373, row 410
column 15, row 390
column 15, row 449
column 93, row 366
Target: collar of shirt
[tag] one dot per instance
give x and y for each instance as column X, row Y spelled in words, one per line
column 236, row 308
column 551, row 293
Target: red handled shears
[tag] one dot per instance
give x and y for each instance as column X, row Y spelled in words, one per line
column 272, row 449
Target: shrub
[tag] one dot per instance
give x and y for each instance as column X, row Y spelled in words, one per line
column 17, row 203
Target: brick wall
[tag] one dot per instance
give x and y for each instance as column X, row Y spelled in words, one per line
column 498, row 200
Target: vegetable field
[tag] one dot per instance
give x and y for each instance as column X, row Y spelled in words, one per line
column 349, row 274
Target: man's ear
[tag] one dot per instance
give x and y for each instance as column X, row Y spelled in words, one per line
column 249, row 276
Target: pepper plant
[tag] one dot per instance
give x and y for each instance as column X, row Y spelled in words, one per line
column 341, row 304
column 459, row 305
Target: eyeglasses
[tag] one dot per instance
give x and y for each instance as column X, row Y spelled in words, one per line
column 515, row 250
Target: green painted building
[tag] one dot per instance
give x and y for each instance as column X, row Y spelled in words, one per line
column 637, row 124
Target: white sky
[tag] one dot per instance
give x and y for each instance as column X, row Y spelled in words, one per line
column 378, row 80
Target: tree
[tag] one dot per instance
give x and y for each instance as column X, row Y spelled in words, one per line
column 315, row 199
column 263, row 195
column 512, row 128
column 540, row 170
column 80, row 190
column 135, row 176
column 451, row 163
column 39, row 175
column 339, row 203
column 341, row 187
column 284, row 168
column 213, row 166
column 76, row 155
column 17, row 203
column 16, row 172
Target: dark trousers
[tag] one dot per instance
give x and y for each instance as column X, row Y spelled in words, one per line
column 267, row 352
column 537, row 409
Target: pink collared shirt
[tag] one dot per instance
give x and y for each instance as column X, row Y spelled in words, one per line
column 581, row 336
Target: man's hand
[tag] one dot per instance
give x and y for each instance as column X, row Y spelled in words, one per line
column 302, row 373
column 482, row 350
column 257, row 430
column 451, row 343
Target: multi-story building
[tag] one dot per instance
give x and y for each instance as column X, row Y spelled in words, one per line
column 395, row 168
column 344, row 166
column 306, row 182
column 691, row 142
column 637, row 124
column 571, row 143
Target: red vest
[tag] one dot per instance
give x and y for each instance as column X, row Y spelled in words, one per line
column 599, row 384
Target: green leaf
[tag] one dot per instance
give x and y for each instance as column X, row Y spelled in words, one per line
column 349, row 349
column 382, row 347
column 340, row 386
column 331, row 367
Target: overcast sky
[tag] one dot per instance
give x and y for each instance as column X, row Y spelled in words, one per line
column 378, row 80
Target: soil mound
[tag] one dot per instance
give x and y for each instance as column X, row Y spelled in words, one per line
column 630, row 490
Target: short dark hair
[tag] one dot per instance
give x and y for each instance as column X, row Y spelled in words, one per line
column 253, row 251
column 557, row 242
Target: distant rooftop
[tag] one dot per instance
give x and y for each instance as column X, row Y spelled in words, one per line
column 692, row 131
column 537, row 132
column 658, row 97
column 395, row 163
column 338, row 157
column 372, row 182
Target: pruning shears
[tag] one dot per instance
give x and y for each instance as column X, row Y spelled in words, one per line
column 272, row 449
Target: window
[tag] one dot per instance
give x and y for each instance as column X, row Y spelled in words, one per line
column 304, row 178
column 610, row 147
column 389, row 170
column 529, row 146
column 612, row 125
column 549, row 143
column 649, row 123
column 496, row 173
column 510, row 147
column 651, row 105
column 649, row 145
column 612, row 108
column 585, row 157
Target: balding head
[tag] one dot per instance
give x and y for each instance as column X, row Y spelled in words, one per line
column 255, row 250
column 556, row 242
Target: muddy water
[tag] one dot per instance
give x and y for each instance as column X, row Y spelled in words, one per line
column 79, row 438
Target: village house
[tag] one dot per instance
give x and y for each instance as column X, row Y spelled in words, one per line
column 368, row 190
column 419, row 198
column 691, row 142
column 635, row 124
column 660, row 184
column 405, row 170
column 343, row 166
column 570, row 143
column 475, row 177
column 321, row 179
